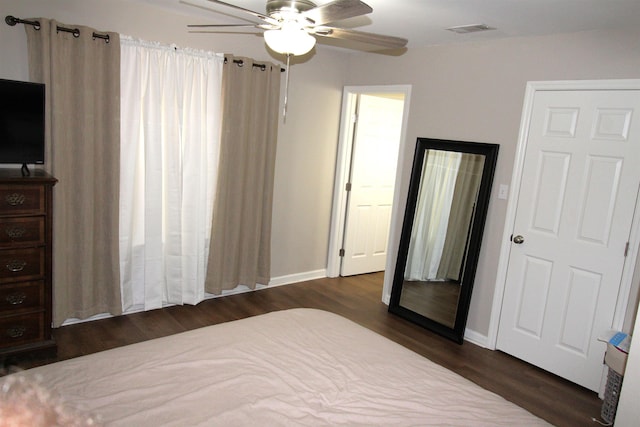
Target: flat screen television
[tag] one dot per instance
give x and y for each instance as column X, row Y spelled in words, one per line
column 22, row 118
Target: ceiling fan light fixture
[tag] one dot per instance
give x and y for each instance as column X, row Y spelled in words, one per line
column 289, row 40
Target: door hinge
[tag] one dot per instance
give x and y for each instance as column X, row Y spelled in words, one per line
column 626, row 249
column 348, row 186
column 354, row 118
column 341, row 253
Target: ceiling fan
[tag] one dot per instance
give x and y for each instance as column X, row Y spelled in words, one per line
column 290, row 25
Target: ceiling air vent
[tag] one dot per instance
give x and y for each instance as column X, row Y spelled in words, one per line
column 473, row 28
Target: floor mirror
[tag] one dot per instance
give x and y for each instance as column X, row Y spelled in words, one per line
column 444, row 220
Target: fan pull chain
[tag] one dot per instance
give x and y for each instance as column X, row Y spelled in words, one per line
column 286, row 91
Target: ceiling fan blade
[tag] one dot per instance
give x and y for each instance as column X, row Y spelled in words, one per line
column 336, row 11
column 222, row 32
column 219, row 28
column 250, row 12
column 221, row 25
column 389, row 42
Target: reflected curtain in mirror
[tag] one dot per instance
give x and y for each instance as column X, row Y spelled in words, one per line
column 446, row 208
column 463, row 204
column 434, row 203
column 446, row 200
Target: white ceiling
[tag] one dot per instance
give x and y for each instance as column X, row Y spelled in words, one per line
column 424, row 22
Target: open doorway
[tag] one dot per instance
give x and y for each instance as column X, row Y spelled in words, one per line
column 372, row 132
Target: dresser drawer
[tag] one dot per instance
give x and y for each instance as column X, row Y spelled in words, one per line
column 22, row 231
column 23, row 296
column 21, row 264
column 21, row 199
column 19, row 330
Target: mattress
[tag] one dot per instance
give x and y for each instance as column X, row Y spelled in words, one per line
column 301, row 367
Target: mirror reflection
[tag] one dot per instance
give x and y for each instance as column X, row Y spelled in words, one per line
column 441, row 235
column 447, row 196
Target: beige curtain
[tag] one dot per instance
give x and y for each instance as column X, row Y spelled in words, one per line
column 82, row 77
column 241, row 230
column 463, row 206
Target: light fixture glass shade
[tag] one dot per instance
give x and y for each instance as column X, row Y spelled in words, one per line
column 289, row 40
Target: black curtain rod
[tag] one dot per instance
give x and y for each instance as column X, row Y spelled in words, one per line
column 240, row 63
column 12, row 21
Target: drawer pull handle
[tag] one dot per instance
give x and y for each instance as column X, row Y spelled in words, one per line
column 16, row 266
column 16, row 298
column 15, row 199
column 15, row 232
column 16, row 331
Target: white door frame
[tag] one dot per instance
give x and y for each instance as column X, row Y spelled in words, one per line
column 343, row 163
column 634, row 238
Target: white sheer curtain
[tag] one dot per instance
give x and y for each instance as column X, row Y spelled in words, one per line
column 433, row 206
column 170, row 132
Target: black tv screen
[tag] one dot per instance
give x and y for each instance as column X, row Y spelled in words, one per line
column 22, row 119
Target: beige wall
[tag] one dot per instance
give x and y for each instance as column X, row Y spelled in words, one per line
column 471, row 91
column 475, row 92
column 307, row 141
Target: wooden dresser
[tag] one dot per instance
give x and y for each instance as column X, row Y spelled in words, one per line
column 25, row 262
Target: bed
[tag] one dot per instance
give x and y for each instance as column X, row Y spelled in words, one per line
column 302, row 367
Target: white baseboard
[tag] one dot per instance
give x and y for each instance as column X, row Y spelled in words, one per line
column 298, row 277
column 274, row 282
column 469, row 335
column 241, row 289
column 476, row 338
column 73, row 320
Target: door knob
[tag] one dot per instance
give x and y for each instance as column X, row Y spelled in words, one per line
column 518, row 239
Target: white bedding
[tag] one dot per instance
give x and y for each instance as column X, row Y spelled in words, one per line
column 294, row 367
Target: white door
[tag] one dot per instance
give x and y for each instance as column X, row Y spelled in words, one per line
column 573, row 220
column 376, row 144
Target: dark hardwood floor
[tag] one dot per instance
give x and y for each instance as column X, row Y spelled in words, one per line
column 359, row 299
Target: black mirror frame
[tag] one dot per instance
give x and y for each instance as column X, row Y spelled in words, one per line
column 490, row 151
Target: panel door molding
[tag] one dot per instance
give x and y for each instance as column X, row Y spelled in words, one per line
column 573, row 198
